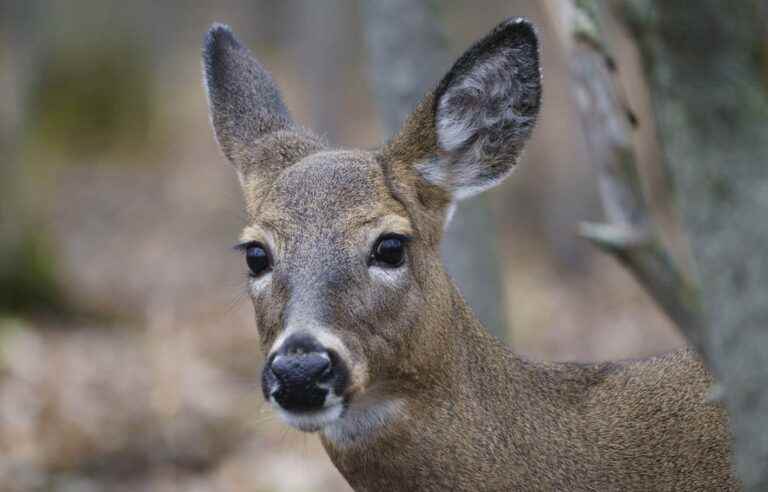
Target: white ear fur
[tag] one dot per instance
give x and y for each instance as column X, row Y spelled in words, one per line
column 485, row 109
column 462, row 183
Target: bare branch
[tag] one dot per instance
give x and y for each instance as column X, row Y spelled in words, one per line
column 628, row 233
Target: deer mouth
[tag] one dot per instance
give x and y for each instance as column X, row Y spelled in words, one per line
column 313, row 420
column 331, row 410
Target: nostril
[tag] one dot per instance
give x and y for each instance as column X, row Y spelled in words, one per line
column 327, row 370
column 316, row 365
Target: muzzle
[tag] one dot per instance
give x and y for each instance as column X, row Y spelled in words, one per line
column 303, row 376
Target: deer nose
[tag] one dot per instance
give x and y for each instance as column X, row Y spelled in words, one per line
column 300, row 368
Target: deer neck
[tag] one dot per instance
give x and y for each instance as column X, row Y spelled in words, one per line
column 465, row 404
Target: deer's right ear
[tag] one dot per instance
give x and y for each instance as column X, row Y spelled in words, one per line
column 248, row 115
column 467, row 135
column 244, row 102
column 249, row 118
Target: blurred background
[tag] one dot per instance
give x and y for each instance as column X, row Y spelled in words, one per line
column 128, row 354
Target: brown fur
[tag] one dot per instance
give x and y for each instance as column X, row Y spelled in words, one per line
column 469, row 414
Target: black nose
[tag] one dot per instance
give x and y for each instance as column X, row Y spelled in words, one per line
column 299, row 368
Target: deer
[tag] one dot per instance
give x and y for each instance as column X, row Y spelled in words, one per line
column 366, row 340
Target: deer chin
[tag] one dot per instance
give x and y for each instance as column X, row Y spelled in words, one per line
column 361, row 423
column 315, row 420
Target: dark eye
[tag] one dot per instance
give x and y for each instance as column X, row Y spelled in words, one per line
column 389, row 251
column 257, row 258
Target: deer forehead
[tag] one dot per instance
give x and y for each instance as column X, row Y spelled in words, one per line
column 333, row 194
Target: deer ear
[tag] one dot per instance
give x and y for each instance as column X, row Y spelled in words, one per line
column 249, row 118
column 244, row 102
column 481, row 114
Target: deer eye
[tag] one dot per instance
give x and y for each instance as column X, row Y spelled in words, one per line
column 257, row 258
column 389, row 251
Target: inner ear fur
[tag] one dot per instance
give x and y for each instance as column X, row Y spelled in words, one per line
column 468, row 133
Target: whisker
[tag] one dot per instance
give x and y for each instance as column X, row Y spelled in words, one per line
column 283, row 436
column 239, row 297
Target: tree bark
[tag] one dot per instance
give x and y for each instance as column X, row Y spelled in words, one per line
column 707, row 73
column 408, row 56
column 628, row 233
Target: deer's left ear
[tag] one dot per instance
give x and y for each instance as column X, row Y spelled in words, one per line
column 468, row 135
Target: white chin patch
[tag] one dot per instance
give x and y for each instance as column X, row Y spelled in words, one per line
column 311, row 421
column 361, row 424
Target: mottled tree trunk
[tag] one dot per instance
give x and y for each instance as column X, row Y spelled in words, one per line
column 706, row 63
column 408, row 57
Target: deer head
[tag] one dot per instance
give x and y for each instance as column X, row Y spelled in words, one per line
column 353, row 308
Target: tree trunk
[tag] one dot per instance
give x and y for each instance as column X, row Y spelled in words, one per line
column 27, row 275
column 707, row 74
column 323, row 47
column 408, row 56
